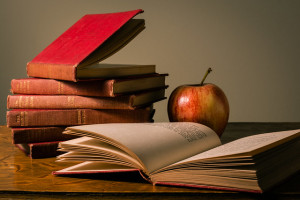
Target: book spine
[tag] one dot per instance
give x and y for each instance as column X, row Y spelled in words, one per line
column 44, row 150
column 67, row 102
column 41, row 134
column 55, row 87
column 54, row 71
column 40, row 150
column 35, row 117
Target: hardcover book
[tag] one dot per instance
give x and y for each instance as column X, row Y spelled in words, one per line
column 40, row 150
column 100, row 88
column 39, row 134
column 69, row 117
column 77, row 52
column 183, row 154
column 130, row 102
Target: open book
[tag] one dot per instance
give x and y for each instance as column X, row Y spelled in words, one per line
column 183, row 154
column 77, row 52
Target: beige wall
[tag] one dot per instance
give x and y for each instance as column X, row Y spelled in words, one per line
column 252, row 46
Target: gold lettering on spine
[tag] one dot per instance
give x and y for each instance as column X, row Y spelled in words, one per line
column 81, row 116
column 26, row 102
column 31, row 102
column 71, row 102
column 24, row 119
column 27, row 86
column 17, row 103
column 23, row 87
column 58, row 88
column 61, row 88
column 18, row 119
column 20, row 102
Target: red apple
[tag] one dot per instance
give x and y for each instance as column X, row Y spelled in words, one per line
column 203, row 103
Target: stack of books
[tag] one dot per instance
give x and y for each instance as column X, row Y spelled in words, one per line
column 68, row 85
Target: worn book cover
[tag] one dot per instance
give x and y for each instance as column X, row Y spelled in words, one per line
column 68, row 117
column 98, row 88
column 130, row 102
column 75, row 54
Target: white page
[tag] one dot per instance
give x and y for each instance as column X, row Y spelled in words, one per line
column 254, row 143
column 158, row 144
column 93, row 146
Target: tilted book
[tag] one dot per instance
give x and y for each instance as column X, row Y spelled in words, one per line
column 130, row 102
column 183, row 154
column 76, row 53
column 39, row 134
column 69, row 117
column 101, row 88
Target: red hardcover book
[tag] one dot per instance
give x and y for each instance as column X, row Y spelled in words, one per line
column 67, row 117
column 40, row 150
column 103, row 88
column 74, row 54
column 38, row 134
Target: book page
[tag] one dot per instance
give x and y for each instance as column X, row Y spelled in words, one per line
column 155, row 144
column 94, row 167
column 86, row 148
column 250, row 145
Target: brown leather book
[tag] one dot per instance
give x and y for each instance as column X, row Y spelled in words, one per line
column 72, row 101
column 67, row 117
column 38, row 134
column 40, row 150
column 100, row 88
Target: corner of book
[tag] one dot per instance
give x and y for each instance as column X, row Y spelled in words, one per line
column 135, row 12
column 53, row 71
column 140, row 10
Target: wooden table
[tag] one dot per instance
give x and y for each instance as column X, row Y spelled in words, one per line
column 23, row 178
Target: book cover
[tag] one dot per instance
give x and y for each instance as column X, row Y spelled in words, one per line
column 100, row 88
column 130, row 102
column 68, row 117
column 90, row 40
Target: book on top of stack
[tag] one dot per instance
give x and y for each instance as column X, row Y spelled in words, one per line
column 67, row 84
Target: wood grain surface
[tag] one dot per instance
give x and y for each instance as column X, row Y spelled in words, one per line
column 25, row 178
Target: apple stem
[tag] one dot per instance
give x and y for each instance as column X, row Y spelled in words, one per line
column 207, row 72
